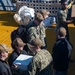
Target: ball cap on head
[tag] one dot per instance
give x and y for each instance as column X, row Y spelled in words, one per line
column 4, row 48
column 39, row 17
column 34, row 43
column 44, row 12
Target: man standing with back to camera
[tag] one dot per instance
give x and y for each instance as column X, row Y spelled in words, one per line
column 62, row 20
column 61, row 53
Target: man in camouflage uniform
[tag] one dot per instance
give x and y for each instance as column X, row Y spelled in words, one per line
column 37, row 30
column 41, row 63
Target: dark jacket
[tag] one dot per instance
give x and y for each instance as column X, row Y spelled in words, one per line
column 4, row 68
column 14, row 55
column 11, row 59
column 61, row 54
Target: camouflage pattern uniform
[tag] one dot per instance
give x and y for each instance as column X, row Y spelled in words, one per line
column 41, row 64
column 37, row 32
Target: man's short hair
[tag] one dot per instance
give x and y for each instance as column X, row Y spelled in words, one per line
column 34, row 43
column 61, row 31
column 18, row 42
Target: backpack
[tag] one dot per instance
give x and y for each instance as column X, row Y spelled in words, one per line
column 21, row 32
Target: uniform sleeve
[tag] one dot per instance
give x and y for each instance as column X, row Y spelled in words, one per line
column 61, row 16
column 34, row 68
column 31, row 34
column 42, row 35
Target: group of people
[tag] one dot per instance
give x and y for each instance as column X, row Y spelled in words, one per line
column 36, row 46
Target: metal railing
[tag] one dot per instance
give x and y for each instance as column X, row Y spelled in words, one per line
column 7, row 5
column 53, row 5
